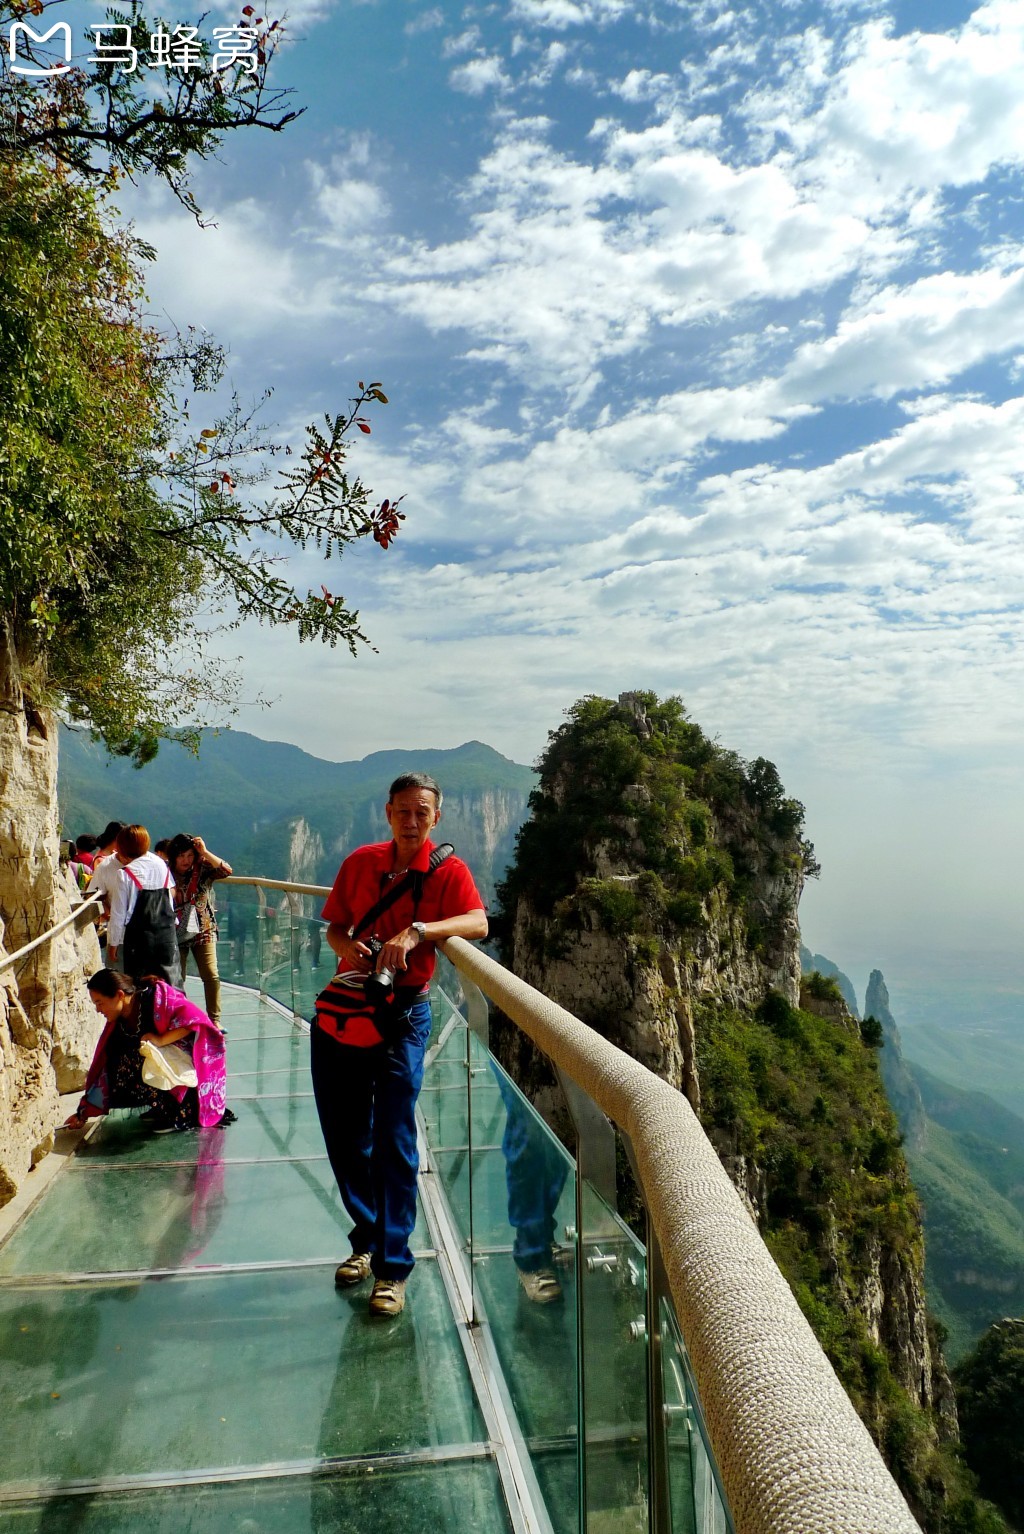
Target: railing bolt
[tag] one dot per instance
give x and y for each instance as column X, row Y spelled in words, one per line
column 638, row 1330
column 570, row 1233
column 605, row 1262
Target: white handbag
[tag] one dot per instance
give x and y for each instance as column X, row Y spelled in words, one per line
column 167, row 1067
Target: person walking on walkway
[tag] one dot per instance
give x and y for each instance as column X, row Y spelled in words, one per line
column 391, row 902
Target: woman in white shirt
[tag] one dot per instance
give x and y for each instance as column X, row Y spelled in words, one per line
column 142, row 935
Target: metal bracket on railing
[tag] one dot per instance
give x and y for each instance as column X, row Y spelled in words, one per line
column 602, row 1262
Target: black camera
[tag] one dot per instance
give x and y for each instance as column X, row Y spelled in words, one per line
column 378, row 984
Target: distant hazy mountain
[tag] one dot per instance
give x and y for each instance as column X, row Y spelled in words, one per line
column 272, row 809
column 966, row 1158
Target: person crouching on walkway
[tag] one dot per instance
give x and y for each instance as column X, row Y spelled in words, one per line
column 158, row 1014
column 365, row 1087
column 195, row 870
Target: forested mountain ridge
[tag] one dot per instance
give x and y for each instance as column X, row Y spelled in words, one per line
column 273, row 809
column 654, row 894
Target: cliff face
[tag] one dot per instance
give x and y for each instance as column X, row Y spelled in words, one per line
column 654, row 894
column 47, row 1026
column 966, row 1156
column 901, row 1088
column 632, row 902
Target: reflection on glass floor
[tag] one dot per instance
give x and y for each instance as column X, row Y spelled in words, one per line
column 175, row 1354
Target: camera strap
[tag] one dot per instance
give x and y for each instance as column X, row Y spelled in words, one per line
column 413, row 880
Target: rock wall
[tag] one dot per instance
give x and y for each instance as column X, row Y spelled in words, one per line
column 646, row 1005
column 48, row 1028
column 305, row 853
column 901, row 1088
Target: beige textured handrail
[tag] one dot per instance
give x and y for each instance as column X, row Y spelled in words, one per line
column 793, row 1455
column 278, row 884
column 91, row 902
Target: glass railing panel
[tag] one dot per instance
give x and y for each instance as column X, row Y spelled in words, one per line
column 613, row 1285
column 238, row 945
column 313, row 961
column 275, row 949
column 524, row 1203
column 695, row 1494
column 443, row 1100
column 447, row 1498
column 237, row 1369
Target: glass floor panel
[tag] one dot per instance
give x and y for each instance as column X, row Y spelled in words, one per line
column 279, row 1052
column 118, row 1219
column 185, row 1374
column 450, row 1495
column 266, row 1128
column 209, row 1399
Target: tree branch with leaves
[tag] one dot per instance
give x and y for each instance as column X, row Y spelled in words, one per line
column 128, row 537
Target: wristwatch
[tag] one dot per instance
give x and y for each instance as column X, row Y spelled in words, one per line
column 420, row 930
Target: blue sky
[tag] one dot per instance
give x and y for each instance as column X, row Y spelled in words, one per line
column 703, row 330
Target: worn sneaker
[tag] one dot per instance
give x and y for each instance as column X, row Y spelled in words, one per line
column 388, row 1297
column 541, row 1287
column 353, row 1270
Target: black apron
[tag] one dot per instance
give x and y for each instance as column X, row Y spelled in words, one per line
column 150, row 944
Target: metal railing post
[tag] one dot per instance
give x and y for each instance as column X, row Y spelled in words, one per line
column 659, row 1491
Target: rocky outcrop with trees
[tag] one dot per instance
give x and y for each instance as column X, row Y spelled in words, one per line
column 654, row 894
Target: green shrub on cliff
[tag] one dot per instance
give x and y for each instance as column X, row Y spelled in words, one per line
column 990, row 1396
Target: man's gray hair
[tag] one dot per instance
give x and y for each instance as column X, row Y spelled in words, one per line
column 416, row 780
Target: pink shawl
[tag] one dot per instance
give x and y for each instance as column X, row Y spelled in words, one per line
column 172, row 1009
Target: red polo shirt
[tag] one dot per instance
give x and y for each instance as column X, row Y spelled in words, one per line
column 363, row 879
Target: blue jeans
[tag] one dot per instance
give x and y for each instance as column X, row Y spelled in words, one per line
column 366, row 1101
column 535, row 1174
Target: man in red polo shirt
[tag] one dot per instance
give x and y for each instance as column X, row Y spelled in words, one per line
column 365, row 1088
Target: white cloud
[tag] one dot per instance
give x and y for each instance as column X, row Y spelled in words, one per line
column 562, row 14
column 479, row 75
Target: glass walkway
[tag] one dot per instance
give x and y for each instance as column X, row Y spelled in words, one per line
column 177, row 1360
